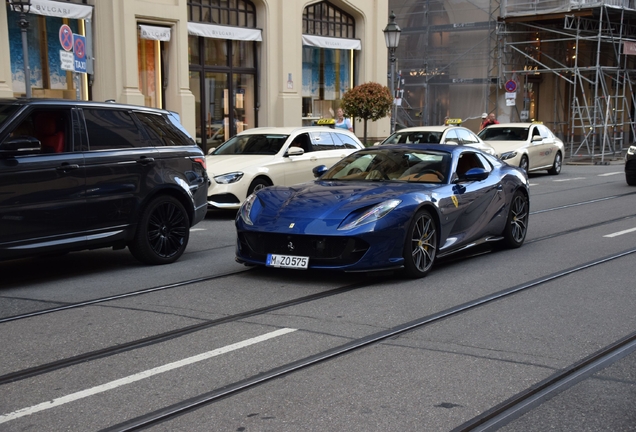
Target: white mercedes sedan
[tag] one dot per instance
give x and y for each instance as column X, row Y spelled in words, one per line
column 266, row 156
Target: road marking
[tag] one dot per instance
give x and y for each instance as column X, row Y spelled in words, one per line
column 616, row 234
column 141, row 375
column 609, row 174
column 197, row 229
column 570, row 179
column 533, row 184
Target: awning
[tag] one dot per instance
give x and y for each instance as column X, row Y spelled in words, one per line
column 154, row 33
column 331, row 42
column 224, row 32
column 60, row 10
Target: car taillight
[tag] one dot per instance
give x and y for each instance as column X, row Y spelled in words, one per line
column 200, row 160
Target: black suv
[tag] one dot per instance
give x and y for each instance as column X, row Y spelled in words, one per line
column 84, row 175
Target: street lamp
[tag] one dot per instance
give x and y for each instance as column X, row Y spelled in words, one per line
column 24, row 6
column 392, row 39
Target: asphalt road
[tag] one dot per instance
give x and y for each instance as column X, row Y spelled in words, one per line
column 285, row 350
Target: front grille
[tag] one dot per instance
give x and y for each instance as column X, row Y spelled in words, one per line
column 321, row 250
column 226, row 198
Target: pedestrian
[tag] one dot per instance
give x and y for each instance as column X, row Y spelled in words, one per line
column 487, row 120
column 342, row 122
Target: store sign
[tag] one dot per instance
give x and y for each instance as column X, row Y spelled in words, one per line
column 224, row 32
column 331, row 43
column 154, row 33
column 61, row 10
column 67, row 61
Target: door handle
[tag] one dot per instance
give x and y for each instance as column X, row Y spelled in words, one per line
column 145, row 160
column 67, row 167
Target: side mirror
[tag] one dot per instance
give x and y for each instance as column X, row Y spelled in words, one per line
column 20, row 144
column 211, row 150
column 537, row 138
column 376, row 144
column 475, row 174
column 319, row 170
column 294, row 151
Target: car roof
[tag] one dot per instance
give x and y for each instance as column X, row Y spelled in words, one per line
column 71, row 103
column 288, row 130
column 427, row 128
column 446, row 148
column 507, row 125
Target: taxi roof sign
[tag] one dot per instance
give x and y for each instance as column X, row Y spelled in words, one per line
column 325, row 122
column 453, row 121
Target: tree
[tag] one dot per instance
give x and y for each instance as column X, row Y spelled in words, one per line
column 368, row 101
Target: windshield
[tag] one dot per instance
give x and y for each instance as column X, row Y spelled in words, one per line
column 414, row 138
column 6, row 110
column 400, row 165
column 504, row 134
column 252, row 144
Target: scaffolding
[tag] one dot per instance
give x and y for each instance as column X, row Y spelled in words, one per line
column 573, row 63
column 586, row 48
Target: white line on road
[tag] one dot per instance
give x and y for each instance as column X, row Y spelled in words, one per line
column 569, row 179
column 616, row 234
column 533, row 184
column 141, row 375
column 197, row 229
column 609, row 174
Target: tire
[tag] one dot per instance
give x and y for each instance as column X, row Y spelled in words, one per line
column 556, row 166
column 257, row 184
column 162, row 233
column 420, row 245
column 514, row 233
column 524, row 164
column 630, row 179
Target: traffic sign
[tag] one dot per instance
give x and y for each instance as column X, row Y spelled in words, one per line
column 79, row 50
column 66, row 37
column 511, row 86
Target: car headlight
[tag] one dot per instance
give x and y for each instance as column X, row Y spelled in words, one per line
column 375, row 213
column 228, row 178
column 631, row 150
column 508, row 155
column 246, row 208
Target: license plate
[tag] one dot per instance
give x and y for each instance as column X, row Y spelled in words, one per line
column 287, row 261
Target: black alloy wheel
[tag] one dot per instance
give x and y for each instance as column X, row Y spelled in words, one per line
column 163, row 232
column 517, row 223
column 420, row 245
column 556, row 166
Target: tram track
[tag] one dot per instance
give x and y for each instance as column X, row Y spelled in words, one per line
column 68, row 306
column 163, row 337
column 525, row 401
column 228, row 390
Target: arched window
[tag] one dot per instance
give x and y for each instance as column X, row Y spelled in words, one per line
column 328, row 59
column 325, row 19
column 223, row 68
column 241, row 13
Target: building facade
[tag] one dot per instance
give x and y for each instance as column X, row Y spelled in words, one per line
column 223, row 65
column 570, row 64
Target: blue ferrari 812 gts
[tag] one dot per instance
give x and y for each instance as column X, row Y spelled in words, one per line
column 386, row 207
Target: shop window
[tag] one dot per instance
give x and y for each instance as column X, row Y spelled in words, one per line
column 151, row 44
column 47, row 78
column 222, row 72
column 327, row 73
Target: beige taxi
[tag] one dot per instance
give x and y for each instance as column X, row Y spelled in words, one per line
column 530, row 146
